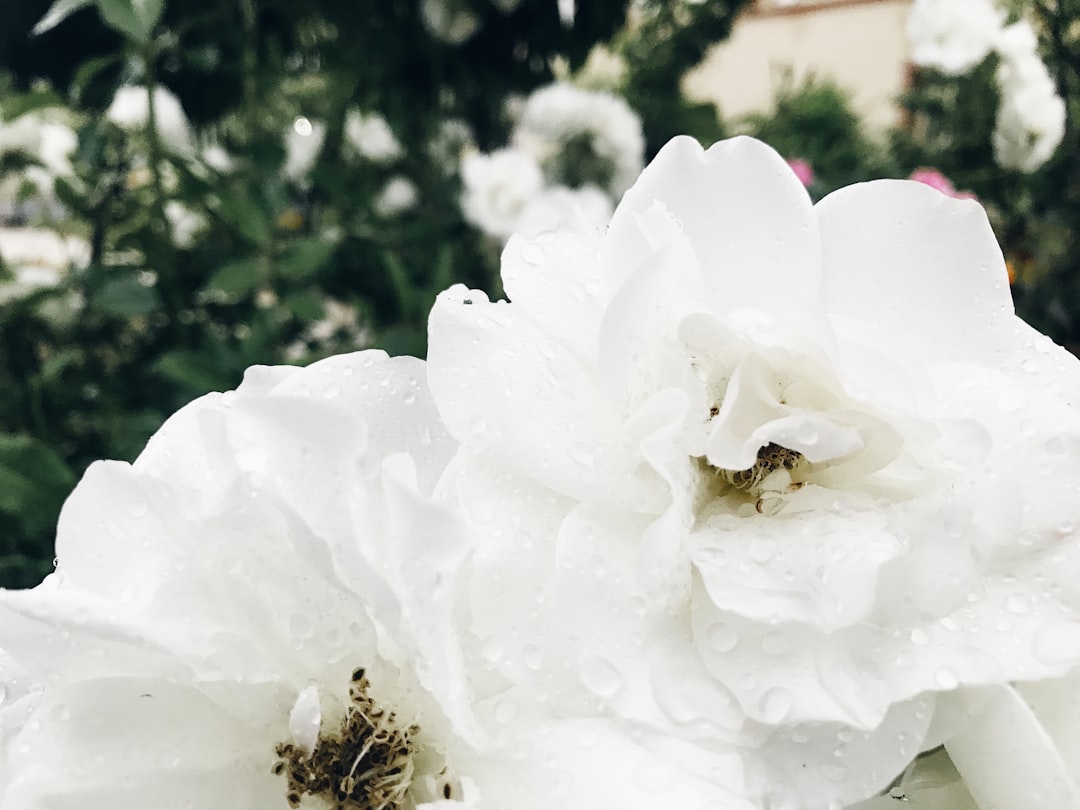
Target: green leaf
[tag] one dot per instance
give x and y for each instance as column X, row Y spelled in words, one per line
column 135, row 19
column 124, row 297
column 304, row 257
column 242, row 211
column 60, row 11
column 238, row 278
column 23, row 103
column 34, row 480
column 305, row 305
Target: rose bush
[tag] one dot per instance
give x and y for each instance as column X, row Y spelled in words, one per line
column 761, row 473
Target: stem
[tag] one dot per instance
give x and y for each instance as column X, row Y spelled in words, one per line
column 168, row 282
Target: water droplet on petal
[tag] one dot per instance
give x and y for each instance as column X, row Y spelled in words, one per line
column 1018, row 603
column 722, row 638
column 946, row 678
column 599, row 675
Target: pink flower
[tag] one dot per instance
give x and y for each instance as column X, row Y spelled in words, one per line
column 935, row 179
column 803, row 170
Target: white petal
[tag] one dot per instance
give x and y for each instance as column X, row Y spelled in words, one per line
column 748, row 217
column 1007, row 759
column 305, row 719
column 924, row 268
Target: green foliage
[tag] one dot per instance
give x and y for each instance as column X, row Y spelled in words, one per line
column 670, row 39
column 814, row 121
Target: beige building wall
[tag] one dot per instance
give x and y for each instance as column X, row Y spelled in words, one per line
column 860, row 44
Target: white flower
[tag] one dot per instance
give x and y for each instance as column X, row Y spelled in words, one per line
column 582, row 136
column 953, row 35
column 303, row 143
column 785, row 471
column 371, row 137
column 450, row 21
column 184, row 223
column 1030, row 121
column 558, row 207
column 130, row 110
column 452, row 139
column 50, row 142
column 497, row 188
column 397, row 196
column 38, row 258
column 262, row 611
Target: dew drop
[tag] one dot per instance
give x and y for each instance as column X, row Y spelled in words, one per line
column 722, row 638
column 1018, row 603
column 478, row 425
column 530, row 655
column 581, row 455
column 946, row 678
column 599, row 675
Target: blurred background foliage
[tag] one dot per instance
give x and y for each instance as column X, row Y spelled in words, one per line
column 262, row 232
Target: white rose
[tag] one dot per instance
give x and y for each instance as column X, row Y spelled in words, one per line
column 371, row 137
column 1030, row 121
column 558, row 114
column 497, row 188
column 953, row 35
column 783, row 472
column 262, row 612
column 396, row 197
column 130, row 110
column 303, row 143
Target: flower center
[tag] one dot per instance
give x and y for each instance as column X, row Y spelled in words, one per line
column 772, row 475
column 365, row 763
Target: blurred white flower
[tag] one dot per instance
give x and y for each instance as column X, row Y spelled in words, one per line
column 397, row 196
column 303, row 143
column 450, row 21
column 497, row 189
column 42, row 137
column 558, row 207
column 184, row 223
column 217, row 158
column 582, row 136
column 452, row 139
column 37, row 258
column 1031, row 117
column 766, row 473
column 130, row 110
column 953, row 35
column 261, row 612
column 370, row 137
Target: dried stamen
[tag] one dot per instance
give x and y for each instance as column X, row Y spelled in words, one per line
column 366, row 764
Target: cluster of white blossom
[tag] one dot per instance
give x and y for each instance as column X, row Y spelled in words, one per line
column 574, row 152
column 955, row 35
column 48, row 143
column 1031, row 119
column 130, row 110
column 743, row 502
column 37, row 258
